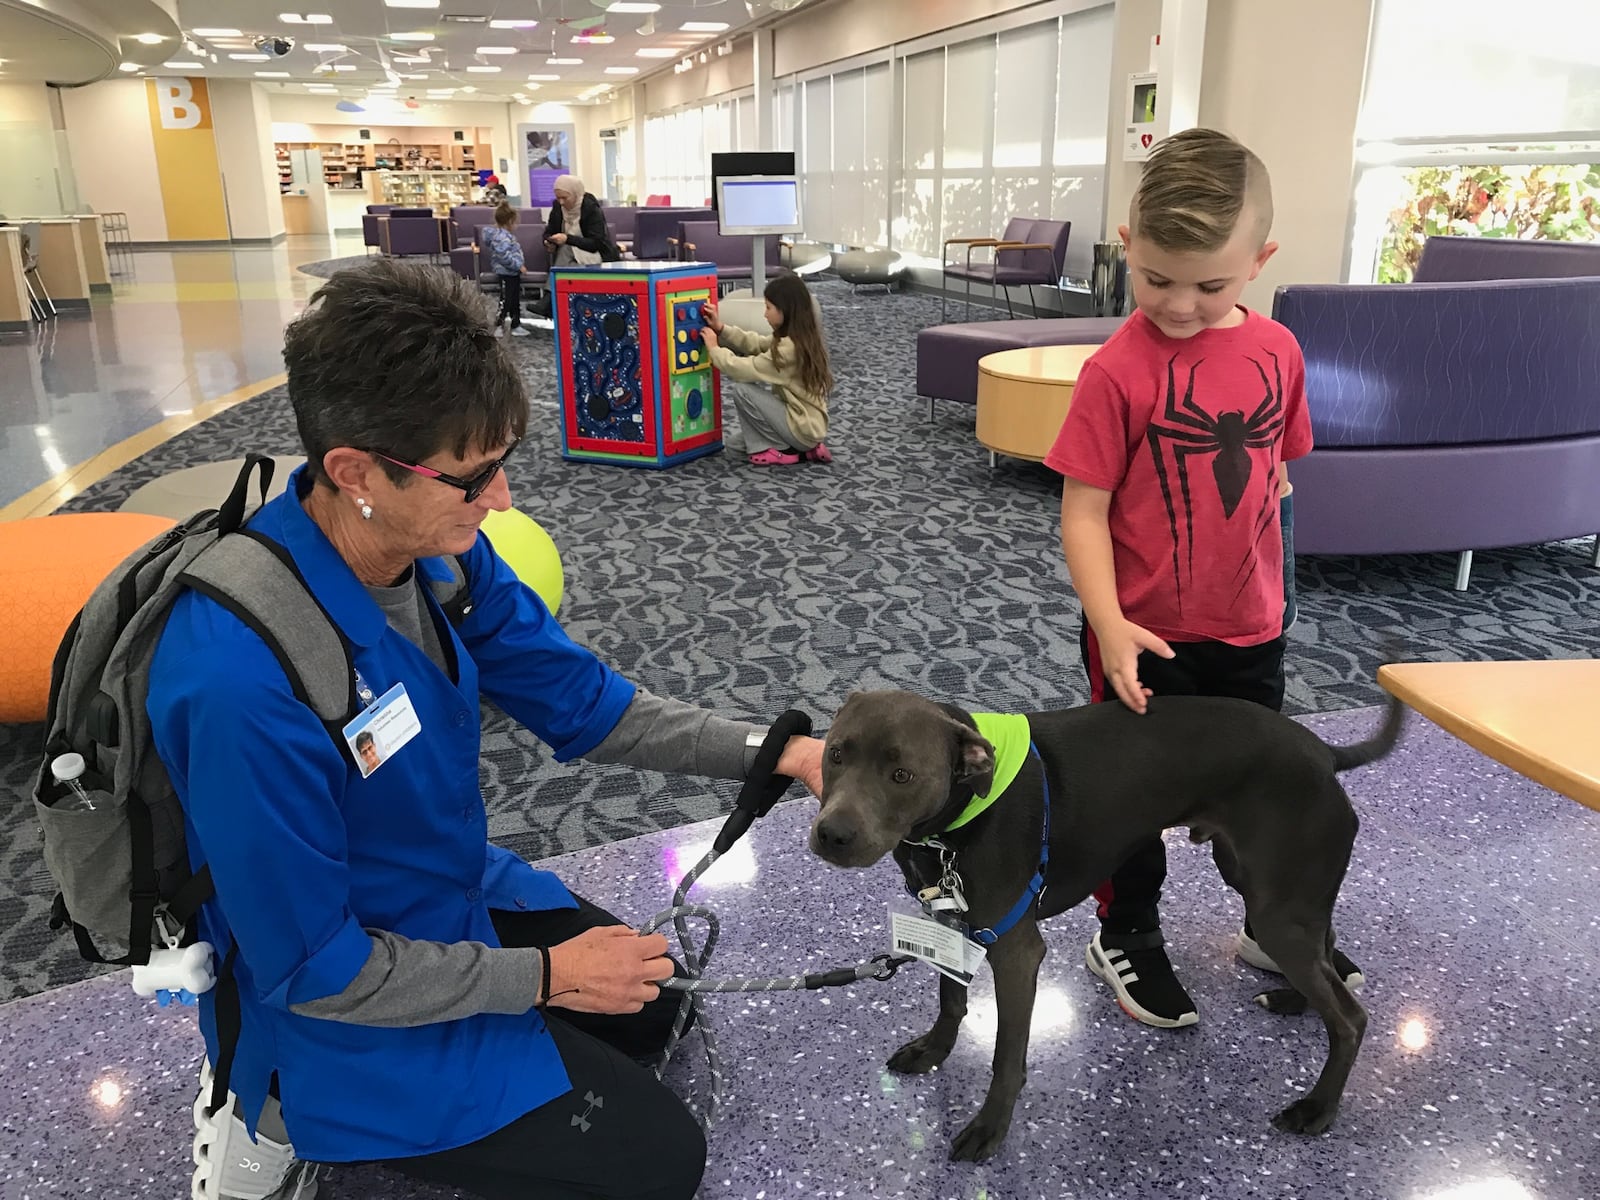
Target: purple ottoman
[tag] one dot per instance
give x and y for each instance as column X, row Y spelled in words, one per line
column 947, row 355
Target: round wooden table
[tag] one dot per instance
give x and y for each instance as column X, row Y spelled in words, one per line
column 1023, row 396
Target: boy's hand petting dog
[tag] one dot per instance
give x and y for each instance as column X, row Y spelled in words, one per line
column 1120, row 646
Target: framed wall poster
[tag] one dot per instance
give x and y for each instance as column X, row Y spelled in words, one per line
column 546, row 154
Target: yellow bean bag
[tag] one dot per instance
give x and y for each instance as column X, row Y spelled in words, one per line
column 48, row 567
column 528, row 550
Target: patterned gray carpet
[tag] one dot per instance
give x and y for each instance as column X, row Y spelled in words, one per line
column 908, row 563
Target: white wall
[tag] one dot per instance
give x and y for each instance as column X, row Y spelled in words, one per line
column 244, row 152
column 27, row 151
column 113, row 153
column 1286, row 80
column 730, row 73
column 1136, row 22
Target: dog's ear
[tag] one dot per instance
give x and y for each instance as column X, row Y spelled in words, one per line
column 974, row 758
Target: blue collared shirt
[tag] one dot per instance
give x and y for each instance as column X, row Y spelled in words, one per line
column 306, row 855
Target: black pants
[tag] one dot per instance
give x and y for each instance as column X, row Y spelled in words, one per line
column 617, row 1135
column 510, row 299
column 1128, row 900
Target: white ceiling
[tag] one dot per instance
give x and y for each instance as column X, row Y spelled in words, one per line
column 368, row 29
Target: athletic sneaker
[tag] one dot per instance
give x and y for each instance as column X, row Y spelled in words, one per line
column 1250, row 950
column 229, row 1166
column 1144, row 983
column 521, row 331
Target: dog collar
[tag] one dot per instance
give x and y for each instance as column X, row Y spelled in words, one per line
column 1009, row 734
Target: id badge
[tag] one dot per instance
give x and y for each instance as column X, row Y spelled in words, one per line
column 381, row 729
column 945, row 948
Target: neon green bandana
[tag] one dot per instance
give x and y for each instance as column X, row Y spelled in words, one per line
column 1010, row 736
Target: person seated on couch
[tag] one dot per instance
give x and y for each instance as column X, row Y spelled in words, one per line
column 576, row 233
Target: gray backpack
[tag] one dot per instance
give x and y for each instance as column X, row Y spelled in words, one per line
column 123, row 868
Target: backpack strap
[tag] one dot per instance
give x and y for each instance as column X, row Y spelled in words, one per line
column 454, row 594
column 255, row 578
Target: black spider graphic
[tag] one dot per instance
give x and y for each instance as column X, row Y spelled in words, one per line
column 1230, row 436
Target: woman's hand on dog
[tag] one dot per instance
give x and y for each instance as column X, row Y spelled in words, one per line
column 1120, row 647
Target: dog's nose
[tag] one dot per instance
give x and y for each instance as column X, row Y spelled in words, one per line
column 834, row 836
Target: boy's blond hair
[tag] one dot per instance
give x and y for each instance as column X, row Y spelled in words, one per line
column 1195, row 187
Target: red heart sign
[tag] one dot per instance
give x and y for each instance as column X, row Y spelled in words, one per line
column 1145, row 139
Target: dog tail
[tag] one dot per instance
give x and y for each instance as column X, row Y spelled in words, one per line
column 1362, row 753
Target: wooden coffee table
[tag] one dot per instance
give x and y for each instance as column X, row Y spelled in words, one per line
column 1023, row 396
column 1538, row 718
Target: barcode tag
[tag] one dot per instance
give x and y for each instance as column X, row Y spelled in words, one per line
column 932, row 942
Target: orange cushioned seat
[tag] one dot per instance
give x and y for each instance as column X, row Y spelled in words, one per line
column 48, row 567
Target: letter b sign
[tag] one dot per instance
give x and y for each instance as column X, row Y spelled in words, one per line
column 179, row 108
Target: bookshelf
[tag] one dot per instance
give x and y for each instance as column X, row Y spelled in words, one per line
column 437, row 190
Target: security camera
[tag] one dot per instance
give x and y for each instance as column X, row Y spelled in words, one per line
column 275, row 46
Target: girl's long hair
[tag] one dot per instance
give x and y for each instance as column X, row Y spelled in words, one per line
column 790, row 296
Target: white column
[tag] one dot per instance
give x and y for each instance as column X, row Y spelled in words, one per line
column 641, row 173
column 1178, row 63
column 766, row 95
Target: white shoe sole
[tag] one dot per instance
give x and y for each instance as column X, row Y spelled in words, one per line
column 1105, row 971
column 1249, row 951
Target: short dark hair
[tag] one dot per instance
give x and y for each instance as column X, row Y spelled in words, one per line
column 399, row 357
column 364, row 739
column 1195, row 188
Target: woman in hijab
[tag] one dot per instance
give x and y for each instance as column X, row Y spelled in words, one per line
column 576, row 233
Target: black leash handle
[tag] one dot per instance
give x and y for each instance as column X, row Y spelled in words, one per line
column 764, row 787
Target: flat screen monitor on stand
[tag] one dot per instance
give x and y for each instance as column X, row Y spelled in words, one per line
column 755, row 206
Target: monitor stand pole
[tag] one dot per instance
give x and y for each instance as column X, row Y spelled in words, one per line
column 758, row 266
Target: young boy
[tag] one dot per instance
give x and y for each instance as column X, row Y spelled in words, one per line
column 1173, row 456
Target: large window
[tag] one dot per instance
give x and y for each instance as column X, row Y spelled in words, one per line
column 951, row 140
column 679, row 145
column 1475, row 126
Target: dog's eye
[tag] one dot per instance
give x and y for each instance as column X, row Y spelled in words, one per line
column 836, row 754
column 901, row 775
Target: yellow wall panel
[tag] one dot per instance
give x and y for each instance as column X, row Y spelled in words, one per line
column 186, row 159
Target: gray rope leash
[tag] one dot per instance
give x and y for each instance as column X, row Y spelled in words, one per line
column 882, row 967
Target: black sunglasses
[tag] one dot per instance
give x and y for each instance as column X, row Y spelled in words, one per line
column 473, row 487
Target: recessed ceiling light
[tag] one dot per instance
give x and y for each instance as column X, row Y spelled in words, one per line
column 469, row 89
column 129, row 67
column 412, row 58
column 423, row 76
column 334, row 67
column 272, row 74
column 629, row 6
column 656, row 52
column 411, row 37
column 305, row 18
column 181, row 66
column 513, row 24
column 149, row 39
column 412, row 3
column 592, row 39
column 250, row 57
column 213, row 33
column 497, row 49
column 543, row 78
column 703, row 26
column 622, row 70
column 326, row 48
column 484, row 70
column 563, row 62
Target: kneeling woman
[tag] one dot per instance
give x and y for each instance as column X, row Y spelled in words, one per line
column 779, row 382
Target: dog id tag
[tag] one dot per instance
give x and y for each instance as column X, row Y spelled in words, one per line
column 947, row 950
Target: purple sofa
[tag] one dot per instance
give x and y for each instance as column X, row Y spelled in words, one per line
column 1448, row 416
column 1463, row 259
column 1029, row 252
column 947, row 355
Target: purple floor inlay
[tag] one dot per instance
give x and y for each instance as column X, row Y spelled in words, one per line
column 1471, row 906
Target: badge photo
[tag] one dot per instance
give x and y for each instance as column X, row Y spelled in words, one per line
column 381, row 729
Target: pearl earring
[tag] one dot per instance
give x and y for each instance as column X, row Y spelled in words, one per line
column 366, row 510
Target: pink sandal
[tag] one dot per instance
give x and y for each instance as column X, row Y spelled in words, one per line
column 773, row 458
column 819, row 454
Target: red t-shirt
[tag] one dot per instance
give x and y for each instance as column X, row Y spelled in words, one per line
column 1187, row 435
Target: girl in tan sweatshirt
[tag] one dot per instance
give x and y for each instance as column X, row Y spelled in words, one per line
column 778, row 382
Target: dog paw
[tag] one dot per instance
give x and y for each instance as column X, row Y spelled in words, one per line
column 918, row 1057
column 979, row 1140
column 1306, row 1116
column 1284, row 1001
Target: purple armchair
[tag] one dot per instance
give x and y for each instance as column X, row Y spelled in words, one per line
column 369, row 223
column 472, row 262
column 654, row 229
column 1447, row 416
column 699, row 241
column 465, row 219
column 406, row 231
column 1030, row 252
column 619, row 219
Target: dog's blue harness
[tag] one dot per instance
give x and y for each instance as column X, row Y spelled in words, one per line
column 1030, row 895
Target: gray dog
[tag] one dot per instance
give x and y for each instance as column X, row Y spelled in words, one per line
column 898, row 769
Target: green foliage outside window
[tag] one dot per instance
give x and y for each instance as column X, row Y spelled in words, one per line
column 1560, row 203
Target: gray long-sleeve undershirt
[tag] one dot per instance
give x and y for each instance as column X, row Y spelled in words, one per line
column 406, row 982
